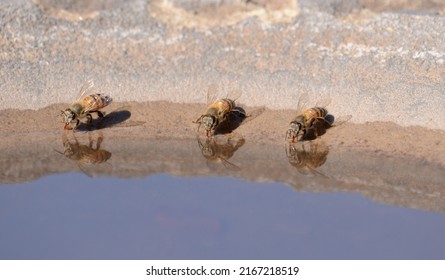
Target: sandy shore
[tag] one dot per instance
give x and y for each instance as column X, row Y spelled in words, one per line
column 381, row 63
column 382, row 161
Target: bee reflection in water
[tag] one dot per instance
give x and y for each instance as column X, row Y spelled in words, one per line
column 84, row 155
column 307, row 160
column 221, row 152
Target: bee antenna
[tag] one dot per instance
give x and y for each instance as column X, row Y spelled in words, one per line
column 58, row 152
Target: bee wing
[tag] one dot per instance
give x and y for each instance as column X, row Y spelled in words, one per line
column 91, row 170
column 323, row 102
column 317, row 173
column 236, row 118
column 303, row 102
column 92, row 106
column 254, row 113
column 240, row 117
column 86, row 88
column 341, row 120
column 231, row 166
column 212, row 93
column 234, row 94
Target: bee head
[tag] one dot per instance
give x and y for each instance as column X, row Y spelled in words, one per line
column 207, row 151
column 209, row 122
column 294, row 129
column 68, row 115
column 68, row 150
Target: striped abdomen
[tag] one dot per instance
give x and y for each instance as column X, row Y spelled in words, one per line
column 221, row 108
column 314, row 113
column 90, row 103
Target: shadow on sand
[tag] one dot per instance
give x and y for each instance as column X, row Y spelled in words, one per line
column 112, row 119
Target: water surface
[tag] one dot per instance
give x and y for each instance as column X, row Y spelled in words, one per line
column 72, row 216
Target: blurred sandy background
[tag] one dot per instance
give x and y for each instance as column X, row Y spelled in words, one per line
column 377, row 60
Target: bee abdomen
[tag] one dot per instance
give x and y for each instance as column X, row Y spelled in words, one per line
column 225, row 106
column 101, row 100
column 95, row 157
column 229, row 102
column 96, row 101
column 320, row 112
column 106, row 99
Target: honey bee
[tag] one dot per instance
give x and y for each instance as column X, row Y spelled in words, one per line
column 306, row 161
column 215, row 152
column 84, row 106
column 308, row 120
column 217, row 111
column 84, row 154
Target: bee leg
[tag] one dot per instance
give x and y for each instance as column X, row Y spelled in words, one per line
column 76, row 144
column 303, row 134
column 89, row 118
column 198, row 122
column 77, row 124
column 99, row 142
column 315, row 129
column 287, row 150
column 304, row 150
column 319, row 126
column 239, row 143
column 325, row 122
column 290, row 151
column 100, row 114
column 90, row 141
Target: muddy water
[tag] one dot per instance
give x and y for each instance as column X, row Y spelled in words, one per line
column 92, row 197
